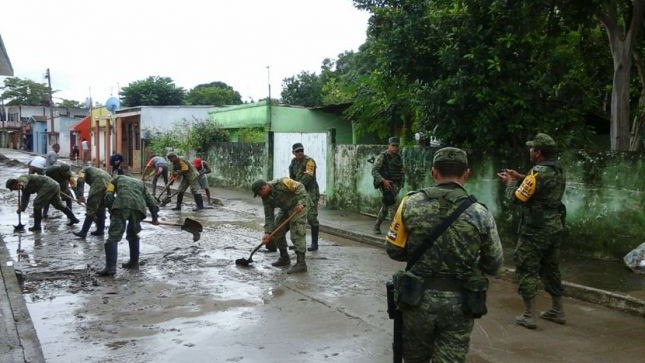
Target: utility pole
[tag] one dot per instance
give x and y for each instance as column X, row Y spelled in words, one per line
column 51, row 109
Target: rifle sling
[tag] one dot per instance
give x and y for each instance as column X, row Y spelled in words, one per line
column 438, row 231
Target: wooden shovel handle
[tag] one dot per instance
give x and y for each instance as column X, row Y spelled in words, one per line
column 284, row 223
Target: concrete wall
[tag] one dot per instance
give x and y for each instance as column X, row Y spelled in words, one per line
column 605, row 194
column 164, row 118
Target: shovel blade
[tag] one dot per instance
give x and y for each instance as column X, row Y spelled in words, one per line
column 243, row 262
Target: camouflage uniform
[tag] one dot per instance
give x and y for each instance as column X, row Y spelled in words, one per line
column 286, row 194
column 388, row 166
column 47, row 192
column 304, row 171
column 540, row 227
column 62, row 173
column 98, row 180
column 127, row 210
column 437, row 329
column 189, row 177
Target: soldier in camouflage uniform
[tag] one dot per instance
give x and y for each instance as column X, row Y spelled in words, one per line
column 47, row 192
column 62, row 173
column 303, row 170
column 541, row 224
column 127, row 210
column 189, row 177
column 290, row 196
column 437, row 330
column 98, row 180
column 389, row 177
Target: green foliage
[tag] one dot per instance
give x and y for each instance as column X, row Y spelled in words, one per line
column 214, row 93
column 302, row 90
column 70, row 104
column 481, row 74
column 153, row 91
column 187, row 136
column 251, row 135
column 24, row 92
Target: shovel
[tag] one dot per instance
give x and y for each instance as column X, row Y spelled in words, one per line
column 190, row 225
column 247, row 261
column 20, row 227
column 166, row 189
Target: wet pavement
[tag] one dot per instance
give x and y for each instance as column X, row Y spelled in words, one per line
column 189, row 302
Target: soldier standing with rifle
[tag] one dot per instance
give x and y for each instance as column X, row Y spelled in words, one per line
column 389, row 177
column 303, row 170
column 448, row 241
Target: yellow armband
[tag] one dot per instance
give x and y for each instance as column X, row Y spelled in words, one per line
column 290, row 184
column 526, row 190
column 398, row 234
column 110, row 188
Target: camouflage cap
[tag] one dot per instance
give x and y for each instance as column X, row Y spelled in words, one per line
column 10, row 182
column 394, row 141
column 297, row 146
column 450, row 154
column 542, row 141
column 256, row 186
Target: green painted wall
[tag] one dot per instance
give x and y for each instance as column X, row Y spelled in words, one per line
column 605, row 194
column 283, row 119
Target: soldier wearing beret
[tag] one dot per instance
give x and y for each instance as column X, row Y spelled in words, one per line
column 542, row 213
column 389, row 177
column 303, row 170
column 437, row 328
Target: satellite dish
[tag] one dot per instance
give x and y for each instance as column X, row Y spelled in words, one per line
column 112, row 104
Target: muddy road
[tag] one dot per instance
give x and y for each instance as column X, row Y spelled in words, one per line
column 189, row 302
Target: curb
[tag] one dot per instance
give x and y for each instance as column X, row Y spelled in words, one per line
column 612, row 300
column 21, row 325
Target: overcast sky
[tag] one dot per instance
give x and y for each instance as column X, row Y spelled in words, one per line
column 98, row 46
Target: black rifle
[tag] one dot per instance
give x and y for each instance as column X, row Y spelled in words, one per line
column 394, row 313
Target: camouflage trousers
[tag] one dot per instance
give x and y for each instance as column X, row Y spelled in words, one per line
column 312, row 212
column 126, row 221
column 297, row 230
column 536, row 257
column 389, row 210
column 436, row 330
column 185, row 183
column 49, row 195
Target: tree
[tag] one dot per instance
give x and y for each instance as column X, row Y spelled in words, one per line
column 70, row 104
column 25, row 92
column 153, row 91
column 305, row 89
column 214, row 93
column 482, row 74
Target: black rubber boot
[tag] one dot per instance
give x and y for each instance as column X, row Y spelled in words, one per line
column 180, row 198
column 38, row 216
column 46, row 211
column 314, row 238
column 300, row 266
column 199, row 200
column 283, row 260
column 111, row 252
column 70, row 215
column 87, row 223
column 133, row 264
column 100, row 225
column 377, row 226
